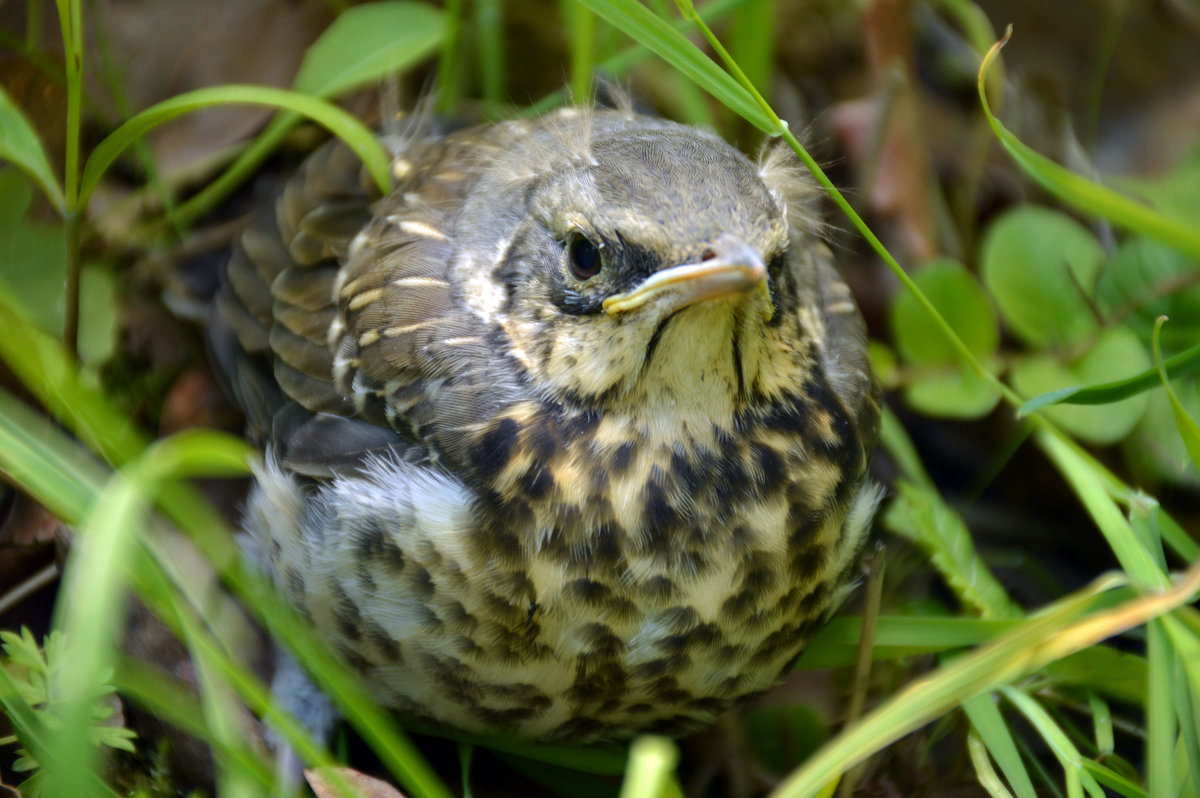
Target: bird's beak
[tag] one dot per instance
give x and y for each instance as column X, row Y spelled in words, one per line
column 735, row 268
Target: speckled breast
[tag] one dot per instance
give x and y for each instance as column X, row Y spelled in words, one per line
column 600, row 582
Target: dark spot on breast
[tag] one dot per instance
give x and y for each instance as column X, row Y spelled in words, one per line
column 605, row 548
column 494, row 448
column 666, row 690
column 597, row 680
column 658, row 513
column 504, row 718
column 659, row 588
column 537, row 481
column 621, row 457
column 541, row 439
column 806, row 563
column 815, row 602
column 577, row 425
column 420, row 583
column 579, row 728
column 346, row 614
column 739, row 606
column 600, row 596
column 383, row 642
column 769, row 471
column 601, row 641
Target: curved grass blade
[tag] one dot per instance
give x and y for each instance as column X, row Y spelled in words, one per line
column 994, row 735
column 1183, row 364
column 1081, row 192
column 363, row 44
column 342, row 124
column 1188, row 428
column 90, row 608
column 20, row 146
column 1049, row 636
column 660, row 36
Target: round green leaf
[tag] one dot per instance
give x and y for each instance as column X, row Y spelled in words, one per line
column 960, row 299
column 963, row 395
column 1145, row 279
column 1117, row 354
column 367, row 42
column 1040, row 266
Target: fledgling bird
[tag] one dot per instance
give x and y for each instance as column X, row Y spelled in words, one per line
column 567, row 434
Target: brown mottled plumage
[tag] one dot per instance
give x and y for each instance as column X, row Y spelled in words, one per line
column 568, row 433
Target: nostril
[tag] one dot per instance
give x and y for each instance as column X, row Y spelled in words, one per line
column 708, row 255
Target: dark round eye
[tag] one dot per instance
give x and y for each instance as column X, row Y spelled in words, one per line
column 583, row 257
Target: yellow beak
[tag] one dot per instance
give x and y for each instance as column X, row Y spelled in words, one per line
column 735, row 268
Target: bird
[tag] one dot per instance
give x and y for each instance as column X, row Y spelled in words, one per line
column 566, row 435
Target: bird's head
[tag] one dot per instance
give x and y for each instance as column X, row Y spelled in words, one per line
column 651, row 263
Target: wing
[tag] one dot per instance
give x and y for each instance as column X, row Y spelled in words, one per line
column 337, row 328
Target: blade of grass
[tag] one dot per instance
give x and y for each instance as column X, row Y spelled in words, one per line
column 356, row 135
column 1102, row 720
column 991, row 730
column 619, row 64
column 363, row 44
column 489, row 32
column 168, row 701
column 988, row 778
column 43, row 367
column 20, row 145
column 654, row 32
column 1068, row 755
column 1082, row 193
column 651, row 763
column 1130, row 553
column 1183, row 364
column 581, row 30
column 898, row 636
column 1189, row 430
column 90, row 607
column 1048, row 636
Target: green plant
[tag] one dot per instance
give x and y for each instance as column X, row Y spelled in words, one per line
column 33, row 672
column 996, row 659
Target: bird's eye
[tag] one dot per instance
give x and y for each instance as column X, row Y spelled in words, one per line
column 583, row 257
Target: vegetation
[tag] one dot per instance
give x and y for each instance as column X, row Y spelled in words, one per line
column 1041, row 323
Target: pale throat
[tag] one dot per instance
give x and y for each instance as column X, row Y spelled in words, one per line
column 693, row 372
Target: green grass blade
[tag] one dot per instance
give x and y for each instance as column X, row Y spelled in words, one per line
column 1082, row 193
column 364, row 44
column 1092, row 492
column 651, row 763
column 619, row 64
column 367, row 42
column 339, row 122
column 836, row 644
column 20, row 146
column 1109, row 778
column 1189, row 430
column 919, row 514
column 1068, row 755
column 988, row 723
column 656, row 33
column 90, row 607
column 581, row 32
column 1181, row 365
column 1051, row 635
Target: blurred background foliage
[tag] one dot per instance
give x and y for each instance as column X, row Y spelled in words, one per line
column 991, row 516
